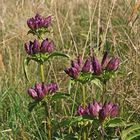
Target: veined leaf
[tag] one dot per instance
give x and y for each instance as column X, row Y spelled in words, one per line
column 131, row 132
column 115, row 122
column 59, row 95
column 55, row 54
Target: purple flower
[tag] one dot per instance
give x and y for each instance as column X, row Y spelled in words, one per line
column 105, row 60
column 28, row 48
column 114, row 111
column 96, row 66
column 47, row 21
column 113, row 64
column 39, row 91
column 38, row 22
column 32, row 47
column 75, row 64
column 36, row 47
column 94, row 108
column 108, row 110
column 47, row 46
column 81, row 110
column 72, row 72
column 87, row 65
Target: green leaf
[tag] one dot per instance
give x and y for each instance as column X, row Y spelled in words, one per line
column 55, row 54
column 70, row 121
column 131, row 132
column 32, row 105
column 59, row 95
column 25, row 65
column 114, row 122
column 97, row 82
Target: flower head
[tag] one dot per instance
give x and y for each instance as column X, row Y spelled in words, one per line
column 34, row 47
column 39, row 91
column 94, row 108
column 113, row 64
column 47, row 46
column 38, row 22
column 108, row 110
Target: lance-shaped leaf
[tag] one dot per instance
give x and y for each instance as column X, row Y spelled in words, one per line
column 25, row 65
column 59, row 95
column 47, row 57
column 115, row 122
column 131, row 133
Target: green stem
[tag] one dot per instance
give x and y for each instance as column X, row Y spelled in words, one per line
column 42, row 72
column 84, row 96
column 104, row 91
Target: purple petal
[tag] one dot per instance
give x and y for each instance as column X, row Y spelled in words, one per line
column 96, row 66
column 105, row 60
column 72, row 72
column 113, row 64
column 87, row 66
column 32, row 93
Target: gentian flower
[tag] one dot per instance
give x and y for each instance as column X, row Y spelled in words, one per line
column 34, row 47
column 47, row 46
column 94, row 108
column 39, row 91
column 113, row 64
column 98, row 110
column 96, row 66
column 77, row 66
column 87, row 66
column 106, row 64
column 38, row 22
column 108, row 110
column 105, row 60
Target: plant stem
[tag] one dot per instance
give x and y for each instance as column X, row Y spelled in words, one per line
column 42, row 72
column 84, row 96
column 104, row 91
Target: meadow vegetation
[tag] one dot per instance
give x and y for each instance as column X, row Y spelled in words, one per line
column 77, row 26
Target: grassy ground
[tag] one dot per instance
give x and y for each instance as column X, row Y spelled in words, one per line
column 76, row 26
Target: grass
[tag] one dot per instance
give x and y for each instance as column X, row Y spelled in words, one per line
column 76, row 26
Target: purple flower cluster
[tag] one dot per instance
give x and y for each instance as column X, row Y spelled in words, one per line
column 39, row 22
column 35, row 47
column 39, row 91
column 77, row 66
column 92, row 65
column 95, row 109
column 106, row 64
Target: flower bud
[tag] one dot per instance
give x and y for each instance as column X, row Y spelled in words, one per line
column 39, row 91
column 36, row 47
column 74, row 64
column 94, row 108
column 32, row 93
column 31, row 24
column 113, row 64
column 47, row 21
column 28, row 48
column 96, row 66
column 87, row 66
column 102, row 115
column 47, row 46
column 114, row 111
column 81, row 111
column 52, row 87
column 105, row 60
column 72, row 72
